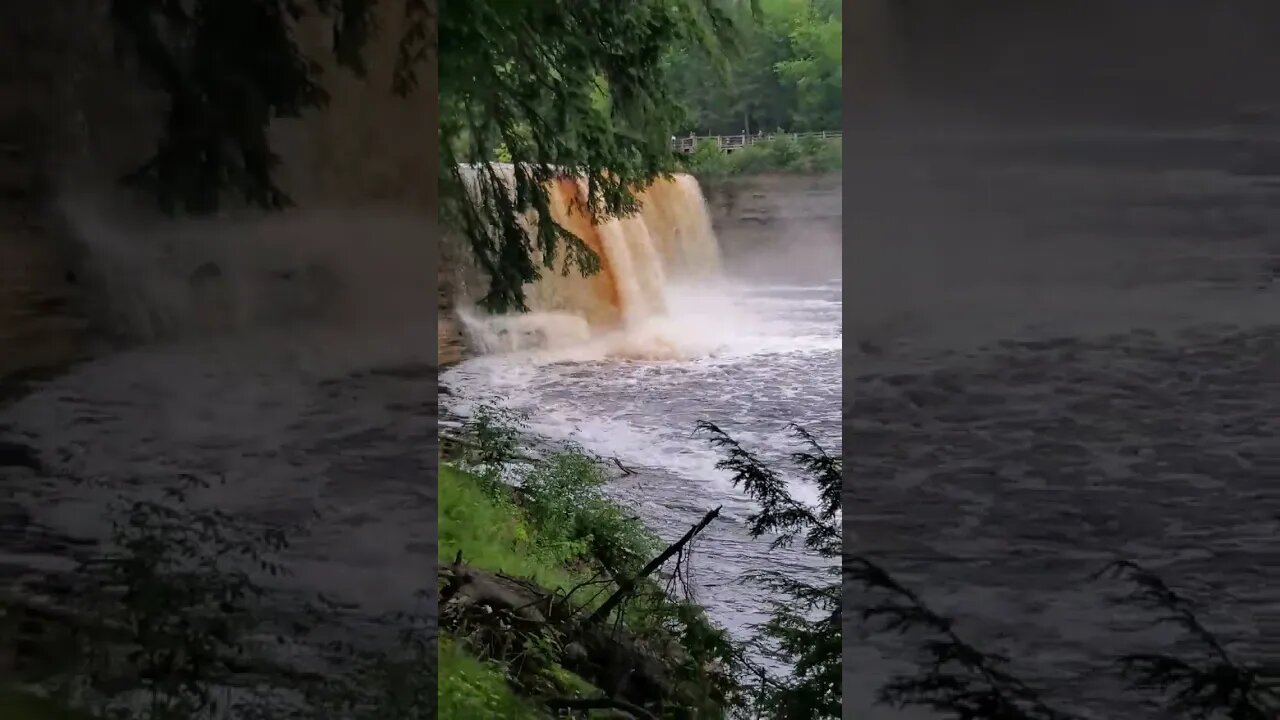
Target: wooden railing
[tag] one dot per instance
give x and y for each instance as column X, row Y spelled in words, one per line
column 729, row 143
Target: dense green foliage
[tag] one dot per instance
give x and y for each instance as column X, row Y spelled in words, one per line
column 595, row 89
column 807, row 155
column 547, row 521
column 557, row 87
column 589, row 88
column 471, row 688
column 560, row 520
column 558, row 526
column 786, row 76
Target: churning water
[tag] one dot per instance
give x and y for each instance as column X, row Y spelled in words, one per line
column 753, row 359
column 626, row 362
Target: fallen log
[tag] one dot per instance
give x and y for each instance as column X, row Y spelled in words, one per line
column 499, row 613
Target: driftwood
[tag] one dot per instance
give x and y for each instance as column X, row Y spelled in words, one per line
column 454, row 582
column 627, row 587
column 503, row 609
column 499, row 614
column 625, row 470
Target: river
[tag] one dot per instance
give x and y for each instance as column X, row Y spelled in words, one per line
column 771, row 358
column 330, row 422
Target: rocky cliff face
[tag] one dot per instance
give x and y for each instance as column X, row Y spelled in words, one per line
column 458, row 280
column 747, row 205
column 771, row 225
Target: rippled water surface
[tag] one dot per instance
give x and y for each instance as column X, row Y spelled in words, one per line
column 769, row 355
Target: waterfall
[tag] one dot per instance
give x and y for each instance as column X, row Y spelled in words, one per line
column 676, row 214
column 669, row 240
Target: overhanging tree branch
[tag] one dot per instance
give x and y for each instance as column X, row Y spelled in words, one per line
column 628, row 586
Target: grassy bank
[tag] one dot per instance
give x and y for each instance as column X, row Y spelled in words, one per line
column 493, row 535
column 807, row 155
column 541, row 534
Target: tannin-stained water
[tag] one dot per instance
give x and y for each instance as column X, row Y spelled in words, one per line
column 689, row 343
column 766, row 356
column 639, row 255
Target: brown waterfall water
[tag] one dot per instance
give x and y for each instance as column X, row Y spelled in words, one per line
column 676, row 214
column 597, row 296
column 671, row 239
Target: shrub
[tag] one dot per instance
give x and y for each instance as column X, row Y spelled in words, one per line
column 576, row 521
column 785, row 154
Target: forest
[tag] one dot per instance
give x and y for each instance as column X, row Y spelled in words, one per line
column 785, row 76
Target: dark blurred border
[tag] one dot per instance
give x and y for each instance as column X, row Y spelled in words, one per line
column 924, row 77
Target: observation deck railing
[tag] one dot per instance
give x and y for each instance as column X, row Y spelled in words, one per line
column 730, row 143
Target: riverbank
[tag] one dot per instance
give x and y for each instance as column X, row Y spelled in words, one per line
column 549, row 599
column 803, row 156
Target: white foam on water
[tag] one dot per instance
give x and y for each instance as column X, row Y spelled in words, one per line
column 627, row 363
column 750, row 367
column 724, row 353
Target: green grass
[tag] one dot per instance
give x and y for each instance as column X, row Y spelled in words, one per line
column 553, row 532
column 470, row 688
column 482, row 519
column 492, row 532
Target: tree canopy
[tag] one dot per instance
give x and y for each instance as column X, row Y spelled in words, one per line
column 559, row 87
column 588, row 87
column 787, row 74
column 556, row 86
